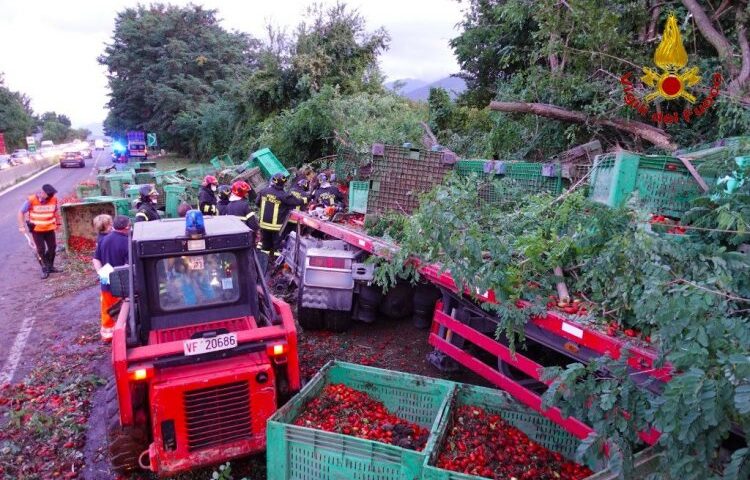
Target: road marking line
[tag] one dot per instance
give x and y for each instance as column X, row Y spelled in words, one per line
column 10, row 189
column 9, row 370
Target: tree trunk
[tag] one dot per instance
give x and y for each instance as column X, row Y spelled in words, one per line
column 714, row 37
column 642, row 130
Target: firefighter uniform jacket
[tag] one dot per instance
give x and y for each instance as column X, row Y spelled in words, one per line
column 222, row 206
column 328, row 196
column 147, row 212
column 301, row 194
column 275, row 204
column 207, row 201
column 241, row 208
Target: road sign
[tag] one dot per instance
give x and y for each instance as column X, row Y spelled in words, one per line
column 31, row 144
column 151, row 140
column 2, row 144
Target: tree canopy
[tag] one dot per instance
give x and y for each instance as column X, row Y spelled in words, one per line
column 16, row 117
column 564, row 60
column 165, row 61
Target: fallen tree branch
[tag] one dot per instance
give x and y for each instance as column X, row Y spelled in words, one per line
column 642, row 130
column 712, row 35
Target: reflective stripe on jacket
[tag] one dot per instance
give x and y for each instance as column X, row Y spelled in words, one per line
column 42, row 215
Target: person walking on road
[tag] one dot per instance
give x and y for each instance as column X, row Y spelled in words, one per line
column 274, row 203
column 147, row 204
column 207, row 196
column 39, row 214
column 111, row 252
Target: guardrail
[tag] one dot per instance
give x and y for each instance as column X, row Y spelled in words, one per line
column 10, row 176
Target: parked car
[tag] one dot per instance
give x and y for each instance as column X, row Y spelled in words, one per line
column 72, row 158
column 5, row 162
column 21, row 156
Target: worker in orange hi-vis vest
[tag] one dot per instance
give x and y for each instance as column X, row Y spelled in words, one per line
column 39, row 215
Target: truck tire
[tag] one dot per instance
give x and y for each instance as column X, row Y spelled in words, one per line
column 338, row 320
column 398, row 302
column 308, row 318
column 126, row 444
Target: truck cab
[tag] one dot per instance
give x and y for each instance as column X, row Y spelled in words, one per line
column 137, row 145
column 202, row 354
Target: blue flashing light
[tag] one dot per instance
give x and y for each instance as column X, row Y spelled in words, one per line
column 118, row 147
column 194, row 224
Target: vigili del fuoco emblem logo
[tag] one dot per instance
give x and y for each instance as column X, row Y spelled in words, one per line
column 674, row 79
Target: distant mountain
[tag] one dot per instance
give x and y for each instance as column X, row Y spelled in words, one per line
column 409, row 84
column 453, row 85
column 97, row 129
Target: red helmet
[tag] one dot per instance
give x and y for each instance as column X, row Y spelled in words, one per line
column 210, row 180
column 240, row 188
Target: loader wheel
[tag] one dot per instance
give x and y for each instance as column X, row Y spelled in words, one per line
column 338, row 320
column 125, row 443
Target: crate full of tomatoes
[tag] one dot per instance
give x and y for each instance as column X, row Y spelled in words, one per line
column 359, row 422
column 486, row 434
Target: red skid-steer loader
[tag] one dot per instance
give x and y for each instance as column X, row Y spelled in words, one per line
column 202, row 354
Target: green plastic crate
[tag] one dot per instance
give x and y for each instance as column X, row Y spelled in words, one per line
column 122, row 205
column 119, row 181
column 664, row 185
column 268, row 163
column 174, row 194
column 536, row 426
column 466, row 167
column 358, row 193
column 301, row 453
column 84, row 191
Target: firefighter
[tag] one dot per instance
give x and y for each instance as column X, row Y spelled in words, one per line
column 300, row 190
column 207, row 196
column 240, row 207
column 223, row 203
column 274, row 205
column 42, row 222
column 147, row 204
column 326, row 195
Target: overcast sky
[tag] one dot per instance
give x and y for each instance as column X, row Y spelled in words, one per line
column 48, row 48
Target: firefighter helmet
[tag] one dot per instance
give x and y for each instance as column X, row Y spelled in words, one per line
column 278, row 179
column 224, row 191
column 210, row 180
column 304, row 184
column 322, row 178
column 240, row 188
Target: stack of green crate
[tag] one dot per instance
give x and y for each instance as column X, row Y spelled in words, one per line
column 663, row 184
column 497, row 175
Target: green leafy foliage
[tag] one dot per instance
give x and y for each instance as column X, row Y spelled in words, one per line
column 165, row 62
column 16, row 117
column 572, row 54
column 691, row 296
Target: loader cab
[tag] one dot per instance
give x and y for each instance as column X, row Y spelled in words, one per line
column 202, row 354
column 182, row 280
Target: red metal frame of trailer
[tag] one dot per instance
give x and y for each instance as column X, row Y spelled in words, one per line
column 641, row 360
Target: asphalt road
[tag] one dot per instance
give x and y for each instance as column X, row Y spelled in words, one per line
column 22, row 293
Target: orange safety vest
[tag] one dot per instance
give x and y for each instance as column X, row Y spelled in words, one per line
column 42, row 215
